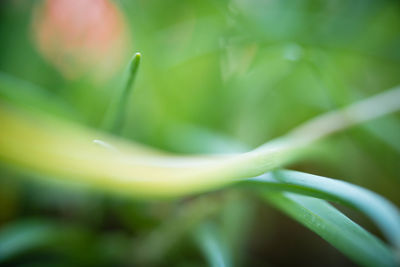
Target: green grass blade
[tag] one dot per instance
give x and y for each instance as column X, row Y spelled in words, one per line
column 382, row 212
column 115, row 116
column 333, row 226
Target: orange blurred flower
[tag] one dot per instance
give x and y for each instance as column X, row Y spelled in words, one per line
column 81, row 37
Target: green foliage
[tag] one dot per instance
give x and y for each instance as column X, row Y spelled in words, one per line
column 217, row 77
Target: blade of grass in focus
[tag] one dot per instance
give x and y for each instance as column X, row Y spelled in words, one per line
column 384, row 214
column 347, row 236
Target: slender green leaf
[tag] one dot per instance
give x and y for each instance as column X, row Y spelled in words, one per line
column 382, row 212
column 115, row 117
column 347, row 236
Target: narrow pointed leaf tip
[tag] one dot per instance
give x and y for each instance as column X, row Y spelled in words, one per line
column 134, row 65
column 115, row 117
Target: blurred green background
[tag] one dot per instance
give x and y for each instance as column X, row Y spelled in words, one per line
column 215, row 75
